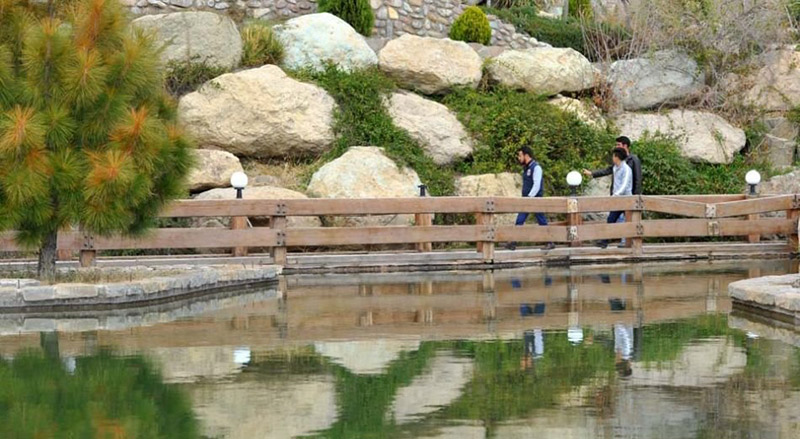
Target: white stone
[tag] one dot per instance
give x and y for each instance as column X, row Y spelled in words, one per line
column 542, row 70
column 491, row 185
column 702, row 137
column 430, row 65
column 316, row 40
column 260, row 112
column 583, row 110
column 213, row 169
column 647, row 82
column 196, row 37
column 365, row 172
column 433, row 125
column 775, row 86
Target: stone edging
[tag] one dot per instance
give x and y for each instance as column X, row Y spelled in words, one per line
column 775, row 296
column 25, row 294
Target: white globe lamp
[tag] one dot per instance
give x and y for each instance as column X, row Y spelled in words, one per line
column 239, row 182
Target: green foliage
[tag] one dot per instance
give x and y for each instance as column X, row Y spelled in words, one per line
column 794, row 11
column 356, row 12
column 104, row 397
column 184, row 77
column 472, row 26
column 88, row 136
column 261, row 46
column 503, row 121
column 361, row 119
column 581, row 9
column 569, row 33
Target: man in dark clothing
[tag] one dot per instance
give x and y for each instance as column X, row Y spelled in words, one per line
column 532, row 186
column 632, row 161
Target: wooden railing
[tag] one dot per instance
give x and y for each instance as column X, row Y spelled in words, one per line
column 700, row 216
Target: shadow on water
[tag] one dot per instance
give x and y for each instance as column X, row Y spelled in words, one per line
column 609, row 352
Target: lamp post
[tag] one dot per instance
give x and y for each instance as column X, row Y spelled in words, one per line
column 239, row 182
column 423, row 188
column 753, row 178
column 574, row 179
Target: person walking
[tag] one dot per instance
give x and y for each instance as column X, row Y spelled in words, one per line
column 532, row 186
column 622, row 185
column 632, row 161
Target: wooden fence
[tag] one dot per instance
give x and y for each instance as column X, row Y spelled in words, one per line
column 700, row 216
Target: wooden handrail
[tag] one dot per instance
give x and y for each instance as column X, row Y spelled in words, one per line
column 703, row 216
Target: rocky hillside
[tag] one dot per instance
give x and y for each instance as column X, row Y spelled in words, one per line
column 342, row 115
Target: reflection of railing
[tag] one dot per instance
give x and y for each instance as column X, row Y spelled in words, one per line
column 702, row 216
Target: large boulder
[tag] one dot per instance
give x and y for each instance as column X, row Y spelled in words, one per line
column 775, row 86
column 587, row 112
column 213, row 170
column 780, row 142
column 196, row 37
column 782, row 184
column 254, row 193
column 317, row 40
column 433, row 125
column 542, row 70
column 365, row 172
column 260, row 113
column 702, row 137
column 648, row 82
column 430, row 65
column 491, row 185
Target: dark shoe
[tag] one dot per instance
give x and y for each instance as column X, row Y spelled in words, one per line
column 549, row 246
column 602, row 244
column 511, row 246
column 621, row 245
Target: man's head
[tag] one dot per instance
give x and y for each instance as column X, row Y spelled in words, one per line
column 619, row 155
column 624, row 142
column 524, row 155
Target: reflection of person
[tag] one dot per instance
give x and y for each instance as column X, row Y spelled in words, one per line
column 623, row 348
column 533, row 341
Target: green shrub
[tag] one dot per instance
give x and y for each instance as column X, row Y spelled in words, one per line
column 472, row 26
column 581, row 9
column 356, row 12
column 361, row 119
column 261, row 46
column 503, row 120
column 187, row 76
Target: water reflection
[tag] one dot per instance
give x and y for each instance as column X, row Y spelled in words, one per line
column 609, row 352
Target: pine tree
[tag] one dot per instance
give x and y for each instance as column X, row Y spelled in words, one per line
column 88, row 136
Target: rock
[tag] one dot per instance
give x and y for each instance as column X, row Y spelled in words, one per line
column 775, row 86
column 486, row 52
column 377, row 43
column 596, row 187
column 254, row 193
column 316, row 40
column 647, row 82
column 261, row 113
column 781, row 127
column 585, row 111
column 779, row 151
column 214, row 169
column 542, row 70
column 491, row 185
column 196, row 37
column 702, row 137
column 433, row 125
column 782, row 184
column 365, row 172
column 430, row 65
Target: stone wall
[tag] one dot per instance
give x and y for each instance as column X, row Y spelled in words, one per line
column 431, row 18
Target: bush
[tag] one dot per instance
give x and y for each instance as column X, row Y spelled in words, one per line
column 361, row 119
column 261, row 46
column 503, row 120
column 581, row 9
column 356, row 12
column 472, row 26
column 187, row 76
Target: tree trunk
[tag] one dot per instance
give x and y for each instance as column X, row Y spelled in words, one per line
column 47, row 257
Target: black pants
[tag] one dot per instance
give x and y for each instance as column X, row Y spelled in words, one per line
column 613, row 217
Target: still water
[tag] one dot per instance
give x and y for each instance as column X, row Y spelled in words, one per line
column 647, row 351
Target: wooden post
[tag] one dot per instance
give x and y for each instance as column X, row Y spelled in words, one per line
column 87, row 258
column 574, row 219
column 64, row 255
column 487, row 247
column 794, row 215
column 423, row 219
column 636, row 242
column 239, row 223
column 479, row 221
column 279, row 252
column 754, row 238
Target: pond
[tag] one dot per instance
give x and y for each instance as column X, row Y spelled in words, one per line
column 645, row 351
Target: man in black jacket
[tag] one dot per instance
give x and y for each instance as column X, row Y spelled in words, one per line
column 632, row 161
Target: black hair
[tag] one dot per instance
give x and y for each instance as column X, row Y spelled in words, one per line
column 525, row 150
column 621, row 153
column 625, row 141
